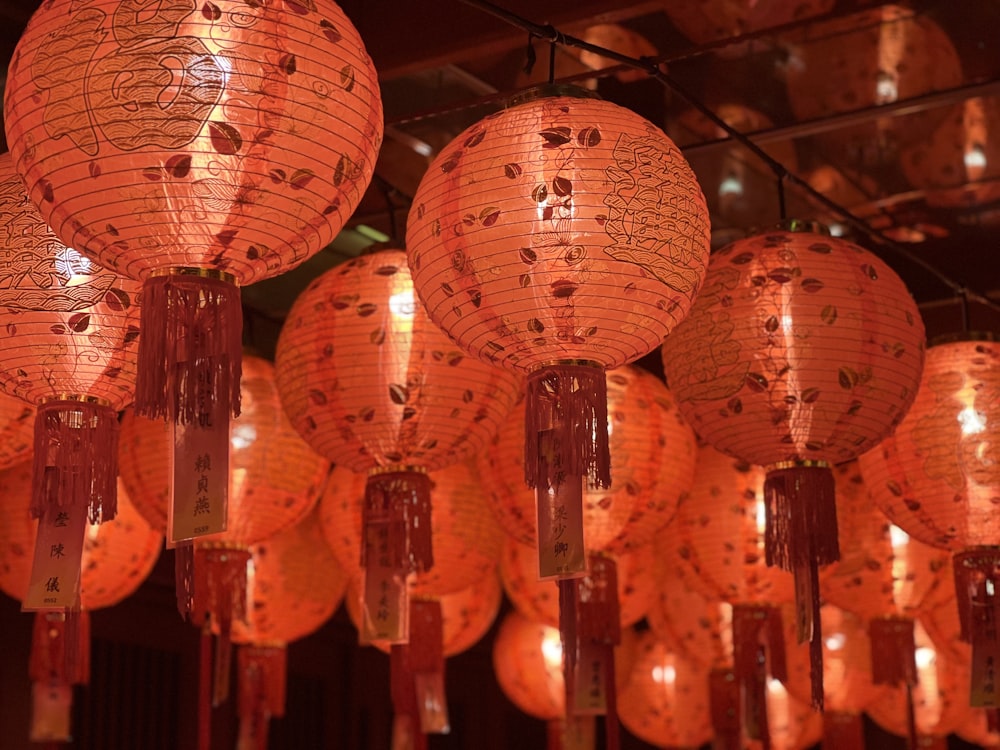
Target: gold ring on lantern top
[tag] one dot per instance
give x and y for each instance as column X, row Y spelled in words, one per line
column 795, row 226
column 396, row 469
column 549, row 90
column 221, row 546
column 567, row 363
column 804, row 463
column 202, row 273
column 81, row 398
column 961, row 337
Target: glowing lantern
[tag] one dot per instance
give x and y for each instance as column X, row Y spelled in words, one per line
column 938, row 479
column 193, row 148
column 17, row 420
column 980, row 728
column 652, row 458
column 69, row 351
column 297, row 586
column 802, row 351
column 373, row 385
column 117, row 557
column 539, row 600
column 883, row 576
column 665, row 701
column 534, row 242
column 794, row 725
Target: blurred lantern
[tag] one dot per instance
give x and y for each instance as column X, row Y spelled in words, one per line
column 938, row 479
column 980, row 728
column 17, row 424
column 442, row 626
column 373, row 385
column 564, row 229
column 274, row 480
column 539, row 600
column 69, row 351
column 665, row 701
column 794, row 725
column 935, row 706
column 960, row 163
column 622, row 40
column 884, row 577
column 720, row 529
column 738, row 185
column 801, row 351
column 193, row 149
column 882, row 55
column 117, row 557
column 653, row 455
column 297, row 586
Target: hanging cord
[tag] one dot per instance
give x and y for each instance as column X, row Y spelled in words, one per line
column 652, row 68
column 552, row 63
column 782, row 214
column 530, row 58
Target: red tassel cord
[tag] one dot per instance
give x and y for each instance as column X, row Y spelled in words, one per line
column 571, row 733
column 406, row 734
column 59, row 659
column 191, row 345
column 205, row 688
column 220, row 596
column 893, row 651
column 843, row 731
column 724, row 705
column 568, row 598
column 426, row 665
column 76, row 458
column 262, row 672
column 801, row 536
column 911, row 719
column 184, row 577
column 977, row 578
column 758, row 651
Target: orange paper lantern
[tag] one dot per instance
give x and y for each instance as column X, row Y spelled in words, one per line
column 17, row 424
column 801, row 351
column 195, row 149
column 665, row 700
column 564, row 229
column 653, row 455
column 794, row 725
column 70, row 352
column 937, row 478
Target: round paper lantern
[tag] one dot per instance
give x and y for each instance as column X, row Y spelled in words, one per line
column 793, row 724
column 653, row 455
column 980, row 728
column 466, row 538
column 194, row 149
column 372, row 384
column 801, row 351
column 938, row 479
column 527, row 661
column 560, row 237
column 665, row 699
column 17, row 424
column 539, row 600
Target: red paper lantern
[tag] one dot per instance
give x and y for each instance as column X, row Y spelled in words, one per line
column 937, row 478
column 802, row 351
column 653, row 455
column 372, row 384
column 70, row 352
column 17, row 424
column 564, row 229
column 794, row 725
column 665, row 700
column 193, row 149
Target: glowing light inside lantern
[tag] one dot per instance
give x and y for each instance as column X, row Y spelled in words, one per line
column 73, row 267
column 552, row 649
column 730, row 186
column 925, row 658
column 972, row 421
column 761, row 520
column 401, row 304
column 242, row 436
column 664, row 674
column 898, row 538
column 836, row 641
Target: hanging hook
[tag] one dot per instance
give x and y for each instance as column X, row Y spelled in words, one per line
column 552, row 62
column 530, row 58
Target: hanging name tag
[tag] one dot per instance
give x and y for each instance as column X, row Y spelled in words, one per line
column 200, row 469
column 51, row 706
column 55, row 571
column 590, row 695
column 559, row 511
column 385, row 602
column 985, row 654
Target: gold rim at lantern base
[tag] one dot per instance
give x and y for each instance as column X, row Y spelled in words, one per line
column 805, row 463
column 566, row 363
column 396, row 469
column 77, row 397
column 202, row 273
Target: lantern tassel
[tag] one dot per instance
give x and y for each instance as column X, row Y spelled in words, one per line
column 800, row 536
column 977, row 576
column 758, row 650
column 893, row 651
column 184, row 577
column 76, row 458
column 572, row 400
column 205, row 688
column 911, row 720
column 843, row 730
column 724, row 703
column 60, row 648
column 262, row 674
column 402, row 497
column 406, row 734
column 571, row 733
column 426, row 666
column 191, row 347
column 568, row 638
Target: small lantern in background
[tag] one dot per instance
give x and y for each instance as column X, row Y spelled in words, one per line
column 17, row 425
column 374, row 386
column 802, row 351
column 250, row 163
column 938, row 478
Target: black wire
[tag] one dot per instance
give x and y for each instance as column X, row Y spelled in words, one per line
column 782, row 214
column 552, row 63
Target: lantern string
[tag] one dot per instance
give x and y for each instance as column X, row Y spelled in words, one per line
column 652, row 68
column 530, row 58
column 552, row 63
column 782, row 214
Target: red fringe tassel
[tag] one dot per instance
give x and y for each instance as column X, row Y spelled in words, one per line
column 977, row 578
column 758, row 651
column 843, row 731
column 262, row 674
column 426, row 664
column 205, row 688
column 724, row 703
column 191, row 345
column 800, row 536
column 571, row 402
column 184, row 577
column 571, row 733
column 60, row 648
column 893, row 651
column 76, row 458
column 401, row 499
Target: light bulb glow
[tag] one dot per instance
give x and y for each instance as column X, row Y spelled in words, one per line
column 552, row 649
column 836, row 641
column 972, row 421
column 401, row 304
column 664, row 674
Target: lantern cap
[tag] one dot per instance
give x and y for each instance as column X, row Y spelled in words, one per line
column 202, row 273
column 550, row 90
column 567, row 363
column 798, row 463
column 396, row 469
column 960, row 337
column 801, row 225
column 81, row 397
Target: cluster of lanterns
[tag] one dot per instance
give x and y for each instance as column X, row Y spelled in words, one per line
column 382, row 455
